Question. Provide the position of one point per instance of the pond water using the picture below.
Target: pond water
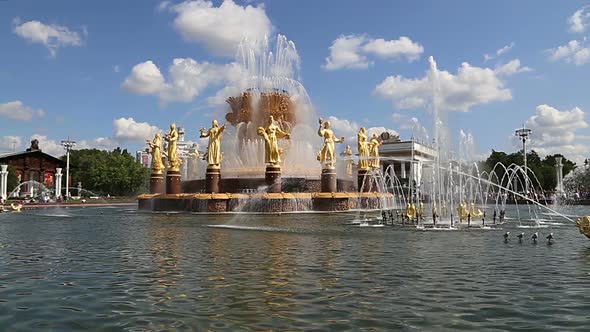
(119, 269)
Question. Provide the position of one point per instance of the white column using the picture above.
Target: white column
(559, 171)
(58, 176)
(3, 181)
(403, 169)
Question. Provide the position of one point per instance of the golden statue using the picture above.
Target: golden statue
(374, 152)
(462, 211)
(327, 155)
(363, 148)
(156, 152)
(475, 213)
(349, 162)
(213, 154)
(584, 225)
(411, 211)
(271, 135)
(421, 211)
(434, 210)
(172, 155)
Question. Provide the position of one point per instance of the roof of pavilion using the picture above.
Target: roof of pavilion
(21, 154)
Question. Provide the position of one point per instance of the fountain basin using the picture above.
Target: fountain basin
(289, 184)
(264, 202)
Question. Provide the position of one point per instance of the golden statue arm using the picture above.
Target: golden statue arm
(204, 133)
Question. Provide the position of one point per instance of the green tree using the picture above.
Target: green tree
(103, 172)
(544, 169)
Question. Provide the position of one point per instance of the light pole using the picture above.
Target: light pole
(524, 134)
(68, 145)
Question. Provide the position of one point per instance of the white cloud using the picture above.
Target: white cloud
(573, 52)
(579, 20)
(222, 28)
(116, 68)
(402, 47)
(499, 52)
(505, 49)
(349, 130)
(10, 143)
(99, 143)
(163, 5)
(187, 79)
(53, 36)
(471, 86)
(351, 51)
(510, 68)
(554, 131)
(49, 146)
(345, 53)
(55, 148)
(126, 129)
(16, 110)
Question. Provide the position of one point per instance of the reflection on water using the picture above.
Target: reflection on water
(123, 270)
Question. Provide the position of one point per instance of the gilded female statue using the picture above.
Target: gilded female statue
(172, 155)
(328, 153)
(374, 152)
(271, 135)
(349, 161)
(363, 147)
(156, 152)
(214, 148)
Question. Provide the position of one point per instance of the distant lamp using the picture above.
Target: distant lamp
(524, 134)
(68, 145)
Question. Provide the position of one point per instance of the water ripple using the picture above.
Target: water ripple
(137, 272)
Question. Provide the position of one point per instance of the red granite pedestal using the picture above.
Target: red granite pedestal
(329, 183)
(363, 185)
(272, 178)
(213, 178)
(157, 184)
(173, 185)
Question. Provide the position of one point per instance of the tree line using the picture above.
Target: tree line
(116, 172)
(544, 169)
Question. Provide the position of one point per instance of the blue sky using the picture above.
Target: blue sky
(79, 69)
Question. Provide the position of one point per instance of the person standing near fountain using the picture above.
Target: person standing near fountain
(327, 156)
(157, 185)
(213, 156)
(272, 155)
(173, 185)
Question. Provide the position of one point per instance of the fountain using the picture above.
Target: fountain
(268, 161)
(270, 110)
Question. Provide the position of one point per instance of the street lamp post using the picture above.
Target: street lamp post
(524, 134)
(68, 145)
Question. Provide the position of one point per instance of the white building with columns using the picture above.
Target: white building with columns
(407, 158)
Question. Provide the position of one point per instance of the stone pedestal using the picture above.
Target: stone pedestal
(173, 182)
(273, 178)
(361, 180)
(213, 178)
(157, 184)
(329, 180)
